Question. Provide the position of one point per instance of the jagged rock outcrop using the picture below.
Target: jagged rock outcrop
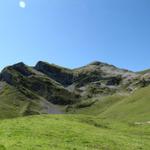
(24, 77)
(59, 74)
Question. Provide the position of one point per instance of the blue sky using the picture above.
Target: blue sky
(73, 33)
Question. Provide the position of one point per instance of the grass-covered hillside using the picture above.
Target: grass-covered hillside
(130, 108)
(16, 103)
(96, 106)
(71, 132)
(135, 107)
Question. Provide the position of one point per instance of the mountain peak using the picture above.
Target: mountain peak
(20, 64)
(96, 63)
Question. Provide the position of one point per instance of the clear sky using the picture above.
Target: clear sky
(73, 33)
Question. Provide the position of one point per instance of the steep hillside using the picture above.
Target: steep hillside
(15, 103)
(24, 77)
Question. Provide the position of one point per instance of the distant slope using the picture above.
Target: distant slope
(131, 108)
(144, 71)
(136, 107)
(99, 106)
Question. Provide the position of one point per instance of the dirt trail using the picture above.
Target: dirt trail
(52, 109)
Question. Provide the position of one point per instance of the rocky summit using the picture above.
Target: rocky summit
(52, 89)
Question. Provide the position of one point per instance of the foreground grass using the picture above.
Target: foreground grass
(71, 132)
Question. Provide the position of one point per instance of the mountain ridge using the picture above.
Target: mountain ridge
(47, 85)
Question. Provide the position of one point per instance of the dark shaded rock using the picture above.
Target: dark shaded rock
(61, 75)
(85, 78)
(22, 68)
(6, 76)
(96, 63)
(114, 81)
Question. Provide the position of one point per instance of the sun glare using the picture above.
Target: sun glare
(22, 4)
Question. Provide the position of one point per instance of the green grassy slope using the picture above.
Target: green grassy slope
(131, 108)
(14, 103)
(136, 107)
(70, 132)
(143, 72)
